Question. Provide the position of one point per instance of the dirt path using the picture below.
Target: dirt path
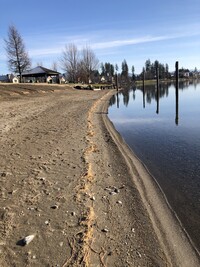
(64, 180)
(43, 141)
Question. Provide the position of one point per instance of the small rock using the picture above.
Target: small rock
(105, 230)
(3, 174)
(47, 222)
(133, 230)
(73, 213)
(116, 190)
(108, 189)
(93, 198)
(26, 240)
(54, 207)
(61, 244)
(112, 193)
(119, 202)
(31, 208)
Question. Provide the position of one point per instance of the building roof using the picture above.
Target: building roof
(3, 78)
(39, 70)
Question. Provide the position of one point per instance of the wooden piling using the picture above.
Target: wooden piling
(177, 74)
(143, 77)
(116, 81)
(143, 89)
(157, 78)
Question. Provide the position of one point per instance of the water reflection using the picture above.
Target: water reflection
(177, 98)
(152, 93)
(147, 119)
(143, 90)
(157, 97)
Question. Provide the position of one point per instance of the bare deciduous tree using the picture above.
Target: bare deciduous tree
(70, 62)
(89, 62)
(18, 59)
(54, 66)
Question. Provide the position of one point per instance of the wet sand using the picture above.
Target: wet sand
(68, 178)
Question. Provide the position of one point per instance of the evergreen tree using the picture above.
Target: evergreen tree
(124, 72)
(133, 73)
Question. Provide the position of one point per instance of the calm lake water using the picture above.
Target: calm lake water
(164, 132)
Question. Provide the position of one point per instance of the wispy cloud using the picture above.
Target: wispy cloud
(104, 42)
(136, 120)
(45, 51)
(96, 45)
(132, 41)
(141, 40)
(51, 45)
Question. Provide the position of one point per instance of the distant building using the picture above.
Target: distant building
(14, 79)
(62, 79)
(103, 80)
(9, 78)
(41, 74)
(4, 79)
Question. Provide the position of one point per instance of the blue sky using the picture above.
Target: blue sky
(116, 30)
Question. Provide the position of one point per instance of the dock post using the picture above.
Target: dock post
(116, 81)
(157, 77)
(143, 77)
(143, 88)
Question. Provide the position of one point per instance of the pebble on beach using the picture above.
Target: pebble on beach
(26, 240)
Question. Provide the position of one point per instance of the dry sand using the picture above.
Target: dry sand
(68, 178)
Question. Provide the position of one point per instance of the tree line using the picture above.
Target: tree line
(81, 65)
(151, 68)
(78, 65)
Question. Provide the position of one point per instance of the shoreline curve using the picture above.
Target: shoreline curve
(175, 241)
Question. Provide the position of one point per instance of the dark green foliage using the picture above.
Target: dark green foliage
(150, 70)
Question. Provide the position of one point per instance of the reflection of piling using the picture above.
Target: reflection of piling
(117, 100)
(177, 89)
(158, 91)
(157, 98)
(143, 97)
(157, 78)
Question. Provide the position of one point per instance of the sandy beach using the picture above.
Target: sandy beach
(69, 180)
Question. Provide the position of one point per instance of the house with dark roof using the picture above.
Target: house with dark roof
(9, 78)
(41, 74)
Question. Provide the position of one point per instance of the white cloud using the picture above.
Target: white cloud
(94, 41)
(122, 42)
(45, 51)
(136, 120)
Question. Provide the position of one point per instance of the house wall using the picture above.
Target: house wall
(15, 80)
